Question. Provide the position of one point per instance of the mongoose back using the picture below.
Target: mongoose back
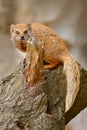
(55, 52)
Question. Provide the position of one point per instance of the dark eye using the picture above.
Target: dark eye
(17, 32)
(26, 31)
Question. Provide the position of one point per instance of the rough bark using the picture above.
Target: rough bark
(28, 101)
(22, 107)
(41, 106)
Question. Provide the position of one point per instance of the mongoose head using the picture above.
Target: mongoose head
(20, 33)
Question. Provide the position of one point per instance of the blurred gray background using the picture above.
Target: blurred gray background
(68, 18)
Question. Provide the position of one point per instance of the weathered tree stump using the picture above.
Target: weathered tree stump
(40, 104)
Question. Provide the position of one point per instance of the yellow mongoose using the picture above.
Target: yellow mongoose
(55, 52)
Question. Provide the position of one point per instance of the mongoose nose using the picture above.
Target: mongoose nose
(22, 37)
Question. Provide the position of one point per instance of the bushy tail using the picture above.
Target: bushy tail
(73, 81)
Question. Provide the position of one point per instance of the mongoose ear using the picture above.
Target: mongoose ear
(12, 27)
(29, 26)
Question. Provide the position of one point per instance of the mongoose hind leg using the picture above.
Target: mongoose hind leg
(51, 66)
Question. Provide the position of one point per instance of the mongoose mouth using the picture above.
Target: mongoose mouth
(21, 47)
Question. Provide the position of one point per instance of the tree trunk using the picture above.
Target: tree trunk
(38, 104)
(30, 99)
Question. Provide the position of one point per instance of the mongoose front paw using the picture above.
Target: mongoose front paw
(31, 40)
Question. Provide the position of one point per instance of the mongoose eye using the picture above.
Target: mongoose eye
(17, 32)
(26, 31)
